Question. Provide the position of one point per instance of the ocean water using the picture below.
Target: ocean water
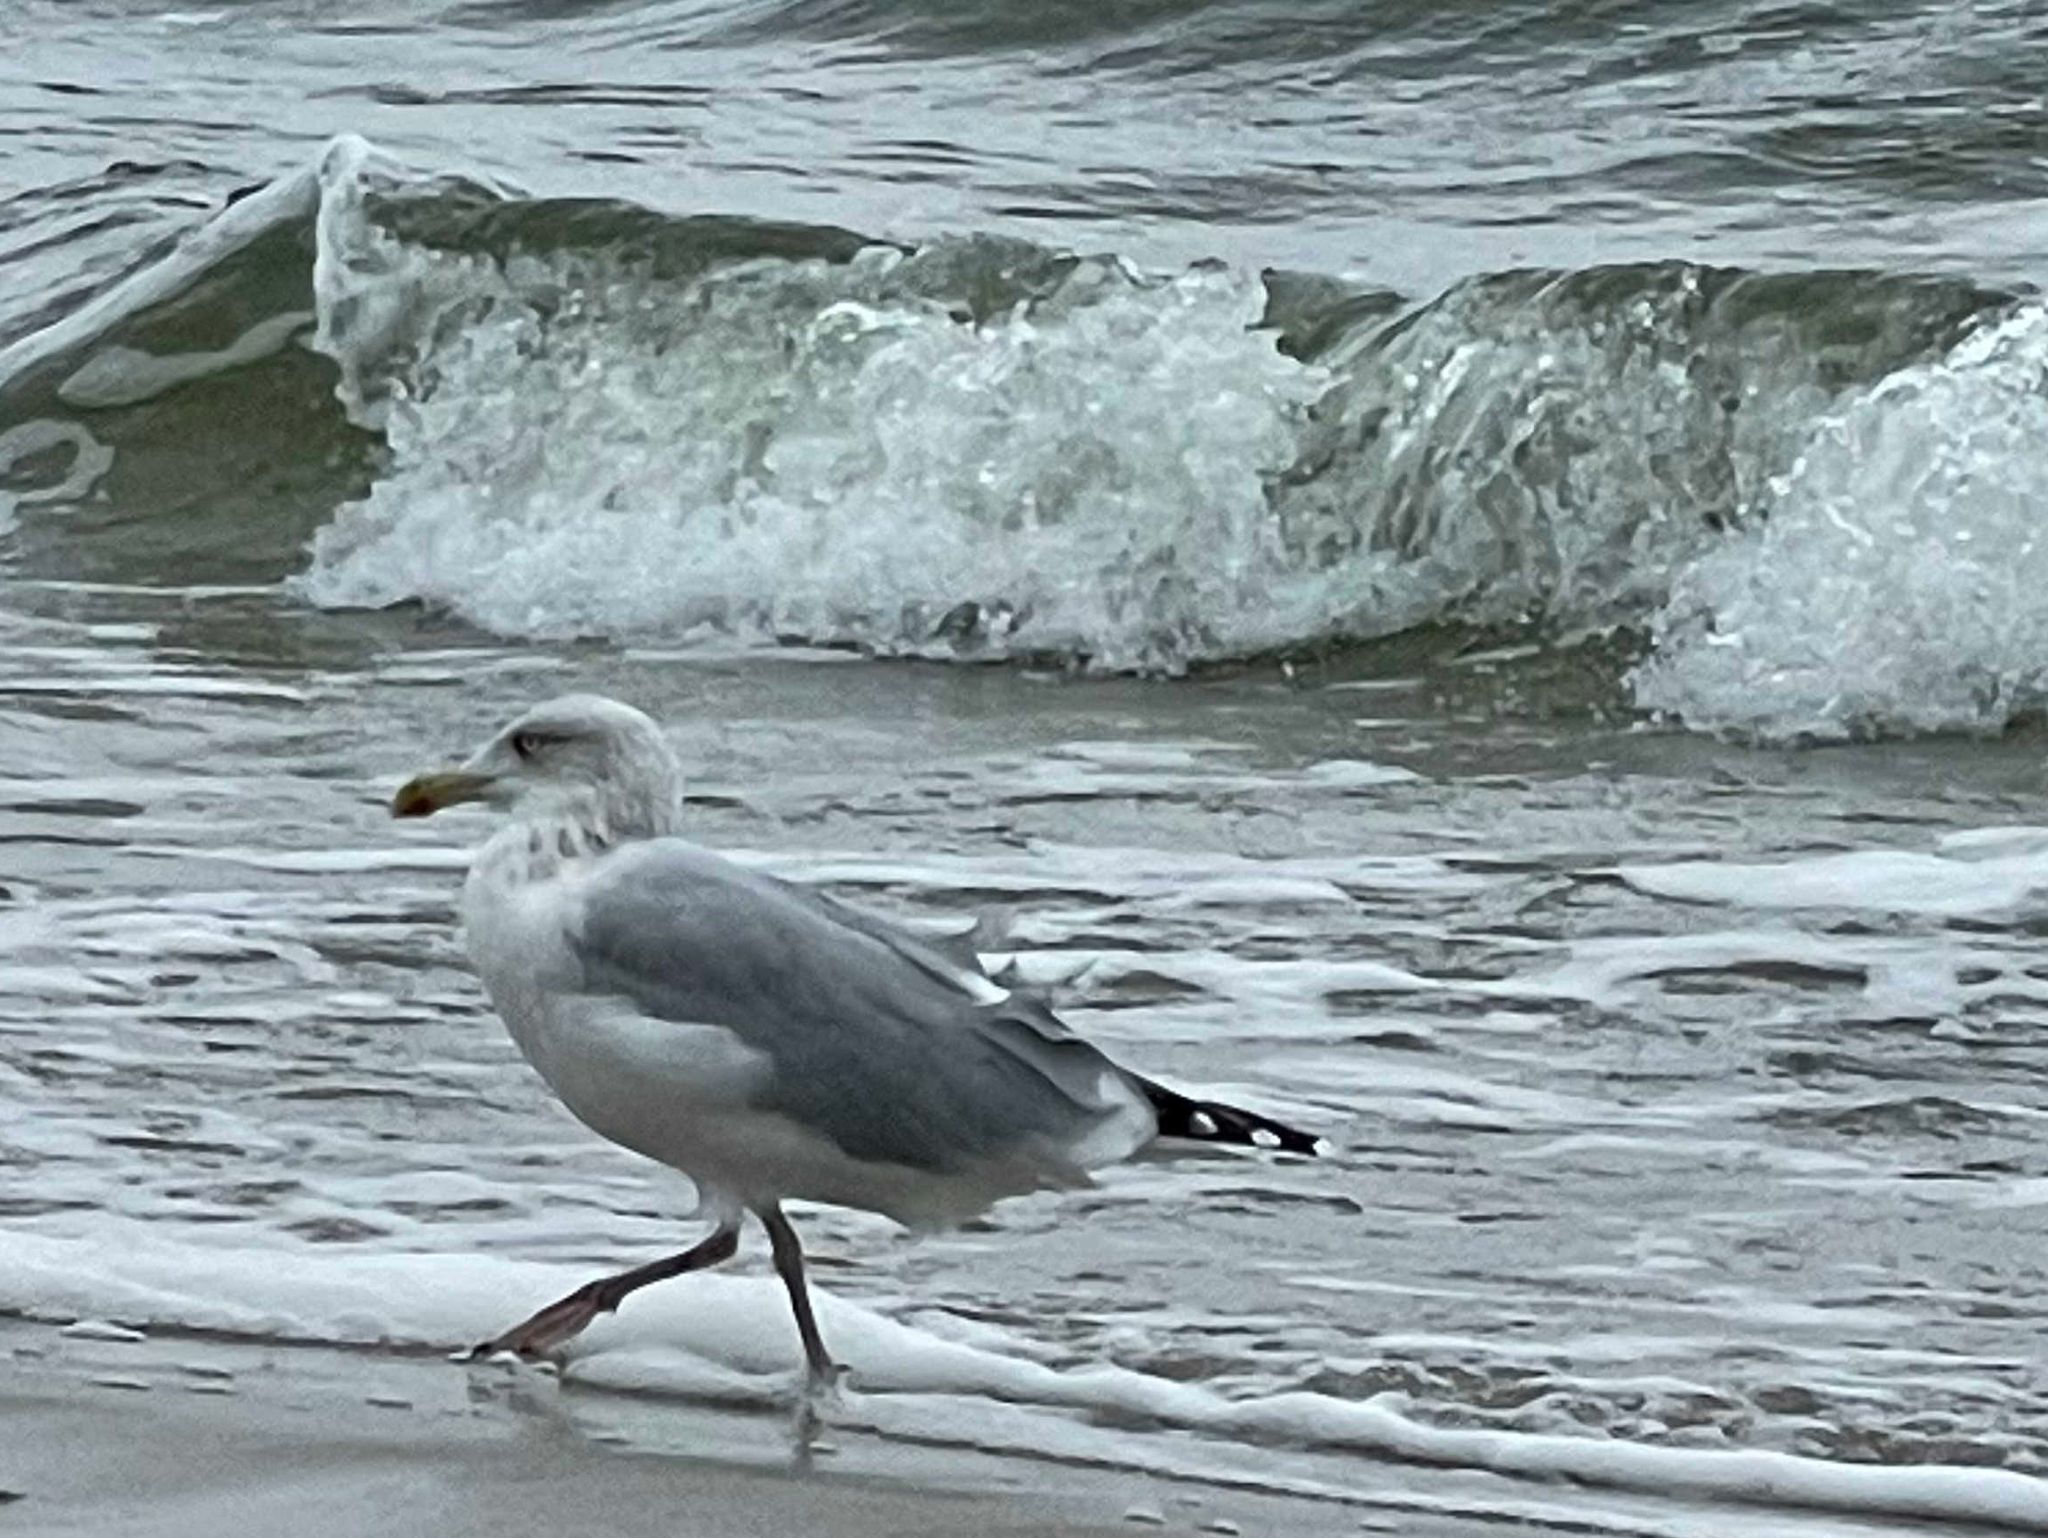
(1465, 575)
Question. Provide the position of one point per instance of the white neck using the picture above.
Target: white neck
(550, 831)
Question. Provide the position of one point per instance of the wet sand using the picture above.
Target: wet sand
(187, 1438)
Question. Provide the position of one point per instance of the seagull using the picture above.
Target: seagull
(767, 1040)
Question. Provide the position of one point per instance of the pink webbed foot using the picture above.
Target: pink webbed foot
(548, 1330)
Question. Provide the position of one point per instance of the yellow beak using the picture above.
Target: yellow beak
(425, 794)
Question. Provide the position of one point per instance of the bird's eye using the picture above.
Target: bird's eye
(526, 744)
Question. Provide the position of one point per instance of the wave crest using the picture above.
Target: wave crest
(981, 448)
(827, 450)
(586, 418)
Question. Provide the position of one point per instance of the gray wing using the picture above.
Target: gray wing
(892, 1046)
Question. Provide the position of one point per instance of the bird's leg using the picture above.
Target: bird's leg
(820, 1373)
(566, 1318)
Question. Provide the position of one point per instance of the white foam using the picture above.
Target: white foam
(1126, 468)
(1121, 870)
(1864, 880)
(1356, 774)
(1138, 756)
(316, 862)
(1599, 970)
(1893, 580)
(167, 684)
(101, 1329)
(1097, 472)
(721, 1336)
(1272, 985)
(89, 461)
(126, 376)
(1260, 891)
(1103, 471)
(1978, 843)
(754, 451)
(1169, 877)
(288, 200)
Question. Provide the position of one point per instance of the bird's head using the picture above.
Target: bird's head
(582, 755)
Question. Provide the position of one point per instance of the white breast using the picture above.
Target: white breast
(676, 1091)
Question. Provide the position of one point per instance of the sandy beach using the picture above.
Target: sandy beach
(178, 1438)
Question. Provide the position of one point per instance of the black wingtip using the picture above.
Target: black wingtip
(1210, 1121)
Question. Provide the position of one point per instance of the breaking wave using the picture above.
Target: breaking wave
(1806, 494)
(1896, 576)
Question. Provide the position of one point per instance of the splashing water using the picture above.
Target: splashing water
(595, 419)
(981, 448)
(815, 449)
(1895, 579)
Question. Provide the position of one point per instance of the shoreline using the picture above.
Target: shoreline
(191, 1437)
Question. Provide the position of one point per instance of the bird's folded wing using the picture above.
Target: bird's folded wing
(882, 1042)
